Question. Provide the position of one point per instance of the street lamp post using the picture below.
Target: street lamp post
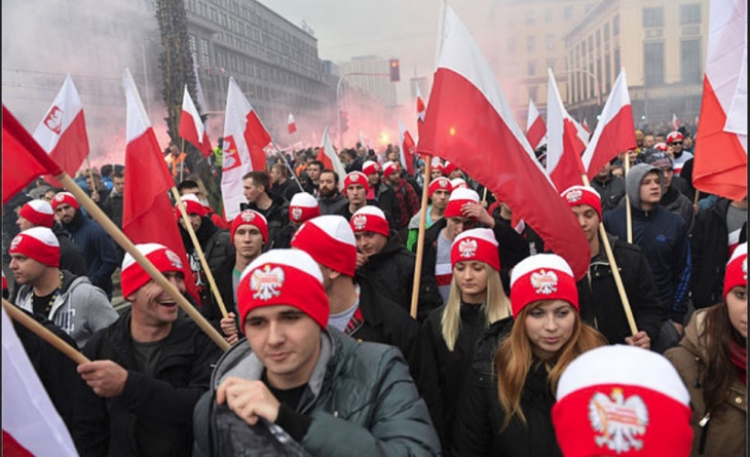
(338, 98)
(593, 76)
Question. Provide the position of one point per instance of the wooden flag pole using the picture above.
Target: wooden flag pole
(420, 240)
(42, 332)
(289, 167)
(182, 162)
(628, 215)
(615, 271)
(199, 251)
(697, 198)
(118, 237)
(484, 195)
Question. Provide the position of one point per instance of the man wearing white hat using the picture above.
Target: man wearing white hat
(356, 188)
(439, 191)
(380, 194)
(302, 207)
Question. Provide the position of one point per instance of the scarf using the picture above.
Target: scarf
(738, 355)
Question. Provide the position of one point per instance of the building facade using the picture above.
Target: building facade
(380, 87)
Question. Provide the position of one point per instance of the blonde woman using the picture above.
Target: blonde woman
(476, 300)
(506, 409)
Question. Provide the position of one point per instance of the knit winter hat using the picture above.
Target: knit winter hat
(542, 277)
(133, 276)
(303, 207)
(661, 147)
(370, 167)
(736, 273)
(389, 168)
(458, 183)
(436, 164)
(330, 241)
(657, 158)
(38, 243)
(250, 217)
(39, 213)
(674, 136)
(448, 168)
(583, 195)
(441, 183)
(283, 277)
(356, 177)
(459, 197)
(622, 401)
(192, 206)
(370, 219)
(478, 245)
(64, 197)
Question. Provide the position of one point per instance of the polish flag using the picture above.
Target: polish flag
(407, 148)
(31, 424)
(62, 132)
(290, 125)
(470, 123)
(244, 140)
(191, 126)
(327, 154)
(421, 109)
(23, 159)
(146, 208)
(615, 131)
(563, 146)
(585, 125)
(536, 131)
(675, 124)
(720, 165)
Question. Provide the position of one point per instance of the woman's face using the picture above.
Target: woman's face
(549, 326)
(737, 308)
(471, 278)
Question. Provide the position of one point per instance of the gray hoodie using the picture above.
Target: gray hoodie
(633, 182)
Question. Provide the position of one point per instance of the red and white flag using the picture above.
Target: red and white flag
(615, 131)
(675, 124)
(23, 159)
(244, 140)
(407, 148)
(536, 130)
(585, 125)
(421, 109)
(62, 132)
(470, 123)
(146, 208)
(31, 424)
(327, 155)
(720, 164)
(290, 125)
(564, 147)
(191, 126)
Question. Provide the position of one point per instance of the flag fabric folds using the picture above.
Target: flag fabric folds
(536, 130)
(291, 125)
(421, 109)
(563, 144)
(469, 123)
(675, 124)
(330, 158)
(406, 148)
(191, 126)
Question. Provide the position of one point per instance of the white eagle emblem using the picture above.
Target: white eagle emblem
(467, 248)
(174, 258)
(354, 178)
(59, 197)
(296, 213)
(618, 421)
(545, 282)
(266, 282)
(248, 216)
(574, 195)
(359, 221)
(443, 183)
(16, 241)
(54, 119)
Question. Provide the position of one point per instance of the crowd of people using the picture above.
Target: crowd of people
(506, 352)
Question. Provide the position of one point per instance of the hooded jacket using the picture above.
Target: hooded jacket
(678, 204)
(333, 205)
(277, 215)
(71, 258)
(611, 191)
(663, 238)
(97, 248)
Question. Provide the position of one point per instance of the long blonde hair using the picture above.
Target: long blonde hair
(514, 359)
(496, 307)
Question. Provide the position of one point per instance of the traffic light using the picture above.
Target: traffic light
(344, 121)
(395, 71)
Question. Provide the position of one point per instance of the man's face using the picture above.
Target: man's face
(286, 341)
(676, 147)
(119, 185)
(313, 171)
(275, 175)
(604, 172)
(372, 179)
(174, 150)
(649, 141)
(195, 221)
(440, 199)
(248, 241)
(455, 225)
(65, 213)
(392, 156)
(668, 176)
(191, 191)
(435, 173)
(687, 143)
(356, 194)
(23, 223)
(651, 189)
(456, 174)
(251, 191)
(327, 185)
(154, 306)
(394, 177)
(661, 139)
(49, 195)
(25, 269)
(589, 221)
(370, 243)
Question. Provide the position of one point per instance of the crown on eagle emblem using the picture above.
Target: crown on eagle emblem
(467, 248)
(618, 421)
(545, 282)
(248, 216)
(266, 282)
(174, 258)
(359, 221)
(54, 119)
(574, 195)
(296, 213)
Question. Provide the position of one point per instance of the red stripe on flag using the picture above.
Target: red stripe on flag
(12, 448)
(617, 136)
(536, 132)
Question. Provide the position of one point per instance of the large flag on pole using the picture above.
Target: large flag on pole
(470, 123)
(563, 145)
(330, 159)
(23, 159)
(536, 130)
(291, 125)
(244, 140)
(147, 214)
(191, 126)
(406, 147)
(62, 132)
(615, 131)
(675, 124)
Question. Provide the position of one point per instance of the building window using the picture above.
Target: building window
(690, 61)
(549, 41)
(598, 38)
(551, 64)
(653, 63)
(690, 14)
(592, 88)
(591, 46)
(607, 73)
(530, 17)
(616, 25)
(530, 43)
(606, 32)
(204, 59)
(532, 93)
(653, 17)
(568, 12)
(548, 15)
(531, 68)
(617, 60)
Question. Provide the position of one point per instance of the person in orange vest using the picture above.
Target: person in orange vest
(176, 162)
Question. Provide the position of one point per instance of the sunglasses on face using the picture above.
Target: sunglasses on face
(676, 142)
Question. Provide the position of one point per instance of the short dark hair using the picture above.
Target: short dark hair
(260, 178)
(335, 175)
(187, 184)
(106, 170)
(318, 163)
(351, 153)
(280, 168)
(119, 174)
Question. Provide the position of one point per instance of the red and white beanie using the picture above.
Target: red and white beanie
(356, 177)
(64, 197)
(389, 168)
(459, 183)
(436, 164)
(542, 277)
(283, 277)
(370, 219)
(583, 195)
(459, 197)
(38, 243)
(441, 183)
(674, 136)
(192, 206)
(330, 241)
(250, 217)
(736, 273)
(661, 147)
(303, 207)
(133, 276)
(622, 401)
(39, 213)
(476, 245)
(448, 168)
(370, 167)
